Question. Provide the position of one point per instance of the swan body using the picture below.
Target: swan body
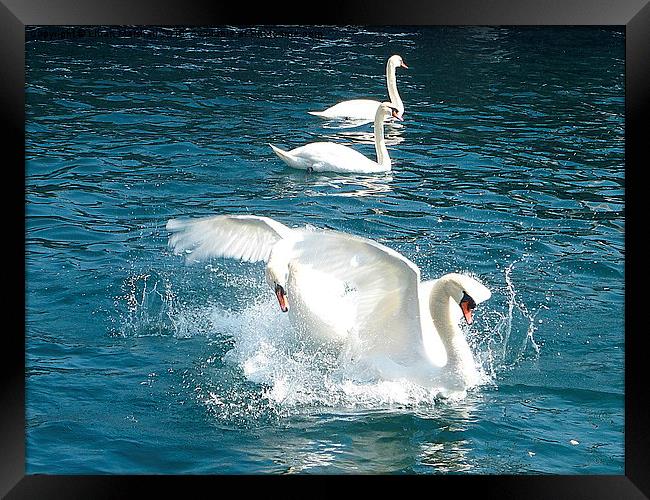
(338, 287)
(332, 157)
(363, 110)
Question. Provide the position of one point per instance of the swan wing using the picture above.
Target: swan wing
(355, 109)
(327, 152)
(245, 237)
(382, 284)
(330, 156)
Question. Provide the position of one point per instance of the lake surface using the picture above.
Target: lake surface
(509, 165)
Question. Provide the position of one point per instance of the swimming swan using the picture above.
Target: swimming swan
(340, 287)
(364, 109)
(332, 157)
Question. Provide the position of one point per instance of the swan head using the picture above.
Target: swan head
(397, 62)
(277, 272)
(386, 110)
(465, 291)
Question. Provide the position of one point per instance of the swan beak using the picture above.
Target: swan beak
(403, 65)
(467, 305)
(395, 114)
(467, 312)
(282, 298)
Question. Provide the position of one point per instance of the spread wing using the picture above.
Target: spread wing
(382, 284)
(245, 237)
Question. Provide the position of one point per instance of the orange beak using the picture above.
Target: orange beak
(282, 298)
(403, 65)
(467, 305)
(395, 114)
(467, 312)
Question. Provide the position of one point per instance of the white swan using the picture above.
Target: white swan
(337, 286)
(332, 157)
(363, 110)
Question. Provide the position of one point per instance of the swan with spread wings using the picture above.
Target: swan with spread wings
(335, 285)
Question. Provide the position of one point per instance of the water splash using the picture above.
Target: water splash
(149, 302)
(273, 369)
(291, 374)
(503, 346)
(150, 306)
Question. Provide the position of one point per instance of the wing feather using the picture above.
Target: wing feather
(383, 284)
(245, 237)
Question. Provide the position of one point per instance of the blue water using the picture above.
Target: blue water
(509, 165)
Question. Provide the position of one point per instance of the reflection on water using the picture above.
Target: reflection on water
(293, 183)
(344, 124)
(307, 455)
(388, 444)
(434, 438)
(392, 136)
(346, 186)
(448, 457)
(451, 451)
(334, 125)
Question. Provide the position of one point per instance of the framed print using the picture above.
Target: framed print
(377, 246)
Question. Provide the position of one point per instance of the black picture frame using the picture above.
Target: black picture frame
(15, 15)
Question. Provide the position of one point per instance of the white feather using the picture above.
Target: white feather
(245, 237)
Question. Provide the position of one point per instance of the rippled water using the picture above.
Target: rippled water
(509, 165)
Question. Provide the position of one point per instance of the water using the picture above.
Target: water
(509, 165)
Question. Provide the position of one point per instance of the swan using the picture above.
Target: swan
(341, 287)
(364, 109)
(332, 157)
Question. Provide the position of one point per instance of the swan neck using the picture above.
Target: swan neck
(391, 83)
(459, 355)
(380, 145)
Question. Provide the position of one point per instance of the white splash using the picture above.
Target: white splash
(297, 373)
(288, 372)
(500, 343)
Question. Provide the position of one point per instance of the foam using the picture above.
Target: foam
(290, 372)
